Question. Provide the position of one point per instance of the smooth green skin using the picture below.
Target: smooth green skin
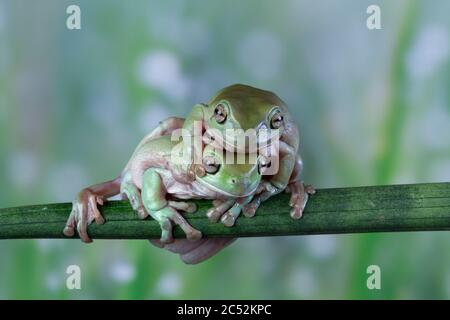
(231, 181)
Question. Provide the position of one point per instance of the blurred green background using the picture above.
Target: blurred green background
(373, 108)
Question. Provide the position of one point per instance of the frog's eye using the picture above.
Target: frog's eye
(220, 113)
(276, 122)
(263, 164)
(211, 165)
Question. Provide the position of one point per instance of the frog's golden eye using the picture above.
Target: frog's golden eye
(277, 120)
(220, 113)
(211, 165)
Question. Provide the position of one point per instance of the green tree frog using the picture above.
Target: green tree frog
(242, 107)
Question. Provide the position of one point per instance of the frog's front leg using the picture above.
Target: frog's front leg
(299, 197)
(163, 211)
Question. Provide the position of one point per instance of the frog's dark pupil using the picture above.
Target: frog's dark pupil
(276, 121)
(220, 113)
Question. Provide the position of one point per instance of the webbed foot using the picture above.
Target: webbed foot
(84, 212)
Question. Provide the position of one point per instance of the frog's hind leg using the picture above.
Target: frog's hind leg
(195, 252)
(128, 188)
(163, 211)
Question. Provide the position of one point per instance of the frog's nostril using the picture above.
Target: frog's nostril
(233, 181)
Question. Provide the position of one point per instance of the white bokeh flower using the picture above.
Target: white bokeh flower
(122, 271)
(321, 246)
(23, 168)
(169, 284)
(161, 70)
(430, 50)
(302, 282)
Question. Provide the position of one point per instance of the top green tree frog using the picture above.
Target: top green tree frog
(243, 108)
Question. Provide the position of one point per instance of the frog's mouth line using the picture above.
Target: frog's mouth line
(206, 184)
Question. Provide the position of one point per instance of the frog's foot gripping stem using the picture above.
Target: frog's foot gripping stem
(84, 211)
(227, 211)
(299, 197)
(264, 192)
(166, 212)
(168, 216)
(218, 210)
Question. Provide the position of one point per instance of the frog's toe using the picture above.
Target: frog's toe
(228, 219)
(142, 213)
(166, 239)
(194, 235)
(249, 209)
(213, 215)
(310, 189)
(191, 207)
(299, 198)
(93, 212)
(69, 229)
(298, 205)
(166, 231)
(296, 212)
(82, 232)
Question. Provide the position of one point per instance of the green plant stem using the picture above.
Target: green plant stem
(417, 207)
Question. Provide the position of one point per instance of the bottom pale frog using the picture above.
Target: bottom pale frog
(153, 183)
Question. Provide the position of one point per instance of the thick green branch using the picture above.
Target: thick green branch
(418, 207)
